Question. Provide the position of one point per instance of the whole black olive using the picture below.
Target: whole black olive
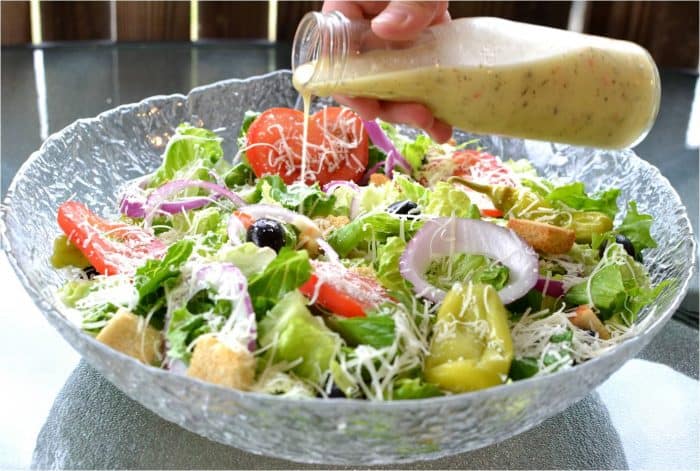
(623, 241)
(90, 272)
(266, 233)
(403, 208)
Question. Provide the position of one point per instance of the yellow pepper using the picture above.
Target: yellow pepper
(471, 347)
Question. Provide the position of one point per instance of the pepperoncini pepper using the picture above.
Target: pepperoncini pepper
(522, 203)
(515, 202)
(471, 347)
(587, 223)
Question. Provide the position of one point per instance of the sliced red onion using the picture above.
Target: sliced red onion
(331, 254)
(164, 192)
(132, 207)
(382, 141)
(332, 185)
(444, 237)
(236, 230)
(550, 287)
(158, 199)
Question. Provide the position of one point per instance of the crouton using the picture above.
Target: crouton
(131, 335)
(585, 318)
(378, 179)
(214, 362)
(543, 237)
(330, 223)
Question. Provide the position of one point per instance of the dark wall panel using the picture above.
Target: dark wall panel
(74, 21)
(15, 23)
(153, 21)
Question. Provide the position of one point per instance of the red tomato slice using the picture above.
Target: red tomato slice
(492, 213)
(111, 247)
(342, 291)
(338, 147)
(481, 167)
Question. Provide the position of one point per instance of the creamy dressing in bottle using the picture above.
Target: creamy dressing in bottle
(493, 76)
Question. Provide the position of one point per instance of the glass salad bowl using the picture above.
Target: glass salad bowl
(91, 159)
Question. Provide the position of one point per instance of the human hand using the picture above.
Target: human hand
(396, 21)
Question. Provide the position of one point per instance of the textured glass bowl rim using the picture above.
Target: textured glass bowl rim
(642, 336)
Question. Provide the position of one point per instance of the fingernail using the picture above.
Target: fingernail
(391, 16)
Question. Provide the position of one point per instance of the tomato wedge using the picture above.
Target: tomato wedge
(343, 292)
(338, 146)
(111, 247)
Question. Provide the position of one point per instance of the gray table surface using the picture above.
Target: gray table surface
(57, 412)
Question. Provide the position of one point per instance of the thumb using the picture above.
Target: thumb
(405, 20)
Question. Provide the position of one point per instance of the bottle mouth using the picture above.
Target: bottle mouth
(306, 46)
(320, 45)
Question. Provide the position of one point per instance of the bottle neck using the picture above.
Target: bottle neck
(320, 48)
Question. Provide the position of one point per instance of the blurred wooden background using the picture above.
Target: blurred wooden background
(669, 30)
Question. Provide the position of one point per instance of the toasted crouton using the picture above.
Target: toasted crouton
(585, 318)
(216, 363)
(131, 335)
(378, 179)
(543, 237)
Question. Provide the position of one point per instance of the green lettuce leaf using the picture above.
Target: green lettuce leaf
(151, 277)
(308, 200)
(95, 318)
(239, 175)
(414, 388)
(448, 201)
(412, 190)
(636, 227)
(248, 257)
(190, 153)
(297, 334)
(387, 266)
(413, 150)
(607, 290)
(621, 288)
(443, 272)
(376, 331)
(289, 270)
(372, 227)
(522, 368)
(574, 196)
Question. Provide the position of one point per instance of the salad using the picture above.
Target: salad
(393, 268)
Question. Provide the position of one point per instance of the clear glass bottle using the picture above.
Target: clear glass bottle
(489, 76)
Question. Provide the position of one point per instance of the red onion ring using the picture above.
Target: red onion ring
(550, 287)
(442, 237)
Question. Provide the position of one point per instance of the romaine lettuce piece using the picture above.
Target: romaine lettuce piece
(375, 227)
(308, 200)
(447, 201)
(151, 277)
(574, 196)
(414, 388)
(387, 266)
(636, 227)
(376, 331)
(298, 335)
(289, 270)
(248, 257)
(443, 272)
(190, 153)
